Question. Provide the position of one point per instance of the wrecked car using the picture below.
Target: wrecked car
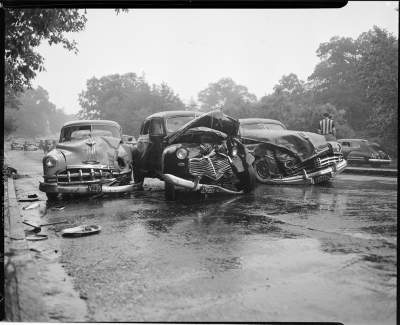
(290, 157)
(90, 157)
(364, 152)
(192, 152)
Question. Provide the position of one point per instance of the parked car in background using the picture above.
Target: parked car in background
(17, 144)
(89, 158)
(128, 139)
(290, 157)
(192, 152)
(30, 145)
(359, 151)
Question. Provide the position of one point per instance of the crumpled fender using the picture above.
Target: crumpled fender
(262, 148)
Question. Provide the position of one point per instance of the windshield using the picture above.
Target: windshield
(262, 126)
(80, 132)
(175, 123)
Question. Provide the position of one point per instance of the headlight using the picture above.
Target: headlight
(50, 162)
(181, 153)
(234, 151)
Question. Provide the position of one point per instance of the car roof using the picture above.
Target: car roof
(255, 120)
(98, 122)
(174, 113)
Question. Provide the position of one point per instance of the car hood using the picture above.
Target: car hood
(215, 120)
(94, 150)
(303, 144)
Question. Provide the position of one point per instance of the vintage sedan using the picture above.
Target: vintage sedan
(18, 144)
(359, 151)
(290, 157)
(30, 145)
(193, 152)
(89, 158)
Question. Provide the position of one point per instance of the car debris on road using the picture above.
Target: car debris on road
(82, 230)
(36, 237)
(37, 229)
(31, 206)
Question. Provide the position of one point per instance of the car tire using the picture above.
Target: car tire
(261, 170)
(170, 192)
(51, 196)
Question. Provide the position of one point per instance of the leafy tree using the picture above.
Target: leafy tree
(378, 74)
(127, 99)
(25, 29)
(335, 80)
(361, 77)
(225, 94)
(37, 116)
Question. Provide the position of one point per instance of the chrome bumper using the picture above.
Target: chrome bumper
(82, 188)
(379, 161)
(312, 178)
(193, 186)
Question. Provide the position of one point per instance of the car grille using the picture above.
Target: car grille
(212, 167)
(86, 175)
(317, 164)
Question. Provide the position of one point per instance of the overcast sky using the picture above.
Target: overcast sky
(188, 48)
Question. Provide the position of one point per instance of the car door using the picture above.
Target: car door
(142, 146)
(156, 135)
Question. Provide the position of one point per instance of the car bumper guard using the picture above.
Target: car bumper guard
(194, 186)
(312, 178)
(84, 188)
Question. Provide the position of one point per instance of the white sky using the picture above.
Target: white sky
(190, 48)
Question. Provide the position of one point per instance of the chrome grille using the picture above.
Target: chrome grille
(316, 164)
(85, 175)
(212, 167)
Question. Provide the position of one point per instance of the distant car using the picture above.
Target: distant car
(195, 152)
(30, 145)
(359, 151)
(290, 157)
(89, 158)
(128, 139)
(18, 144)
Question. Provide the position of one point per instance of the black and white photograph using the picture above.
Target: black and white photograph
(200, 164)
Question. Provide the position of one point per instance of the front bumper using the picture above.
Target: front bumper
(312, 178)
(196, 187)
(84, 188)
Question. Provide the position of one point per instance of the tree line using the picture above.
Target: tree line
(356, 81)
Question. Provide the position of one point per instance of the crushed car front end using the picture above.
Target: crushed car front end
(203, 158)
(295, 158)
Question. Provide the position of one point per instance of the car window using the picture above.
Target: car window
(145, 127)
(355, 145)
(176, 122)
(106, 130)
(80, 132)
(262, 126)
(345, 144)
(156, 127)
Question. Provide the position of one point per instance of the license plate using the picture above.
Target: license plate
(208, 189)
(94, 188)
(321, 178)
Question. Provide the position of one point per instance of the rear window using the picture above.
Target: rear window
(80, 132)
(176, 122)
(262, 126)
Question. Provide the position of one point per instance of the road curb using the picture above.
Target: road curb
(371, 171)
(23, 300)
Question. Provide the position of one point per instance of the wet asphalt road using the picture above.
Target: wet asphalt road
(282, 253)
